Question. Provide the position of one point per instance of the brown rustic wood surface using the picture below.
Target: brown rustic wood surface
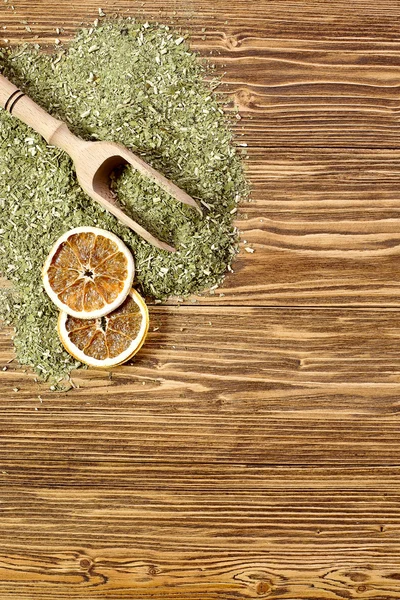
(252, 449)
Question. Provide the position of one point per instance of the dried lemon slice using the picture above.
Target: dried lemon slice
(88, 273)
(110, 340)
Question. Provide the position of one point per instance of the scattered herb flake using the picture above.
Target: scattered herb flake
(107, 85)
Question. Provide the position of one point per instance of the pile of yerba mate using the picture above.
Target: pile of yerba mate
(140, 85)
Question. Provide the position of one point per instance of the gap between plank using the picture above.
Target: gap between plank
(371, 307)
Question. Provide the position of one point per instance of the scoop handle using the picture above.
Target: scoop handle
(19, 105)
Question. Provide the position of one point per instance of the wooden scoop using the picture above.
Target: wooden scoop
(94, 161)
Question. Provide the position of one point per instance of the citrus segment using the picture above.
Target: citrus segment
(108, 287)
(103, 249)
(72, 296)
(82, 337)
(65, 258)
(60, 279)
(88, 273)
(75, 324)
(114, 265)
(82, 245)
(110, 340)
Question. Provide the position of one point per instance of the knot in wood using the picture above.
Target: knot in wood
(262, 588)
(231, 41)
(85, 563)
(152, 570)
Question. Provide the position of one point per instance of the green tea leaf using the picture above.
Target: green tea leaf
(137, 84)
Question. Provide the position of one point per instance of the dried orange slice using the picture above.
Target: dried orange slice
(110, 340)
(88, 273)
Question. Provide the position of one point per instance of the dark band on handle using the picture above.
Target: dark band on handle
(13, 99)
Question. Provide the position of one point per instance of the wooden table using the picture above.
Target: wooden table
(252, 450)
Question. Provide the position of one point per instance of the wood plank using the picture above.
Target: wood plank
(327, 19)
(185, 475)
(175, 477)
(123, 574)
(324, 222)
(262, 386)
(295, 93)
(74, 530)
(293, 90)
(323, 225)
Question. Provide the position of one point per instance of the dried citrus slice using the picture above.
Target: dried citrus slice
(88, 273)
(106, 341)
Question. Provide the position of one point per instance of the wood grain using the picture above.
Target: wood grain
(251, 449)
(200, 556)
(303, 19)
(241, 385)
(186, 531)
(334, 91)
(302, 75)
(324, 227)
(296, 88)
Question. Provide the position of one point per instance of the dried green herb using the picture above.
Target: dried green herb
(138, 84)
